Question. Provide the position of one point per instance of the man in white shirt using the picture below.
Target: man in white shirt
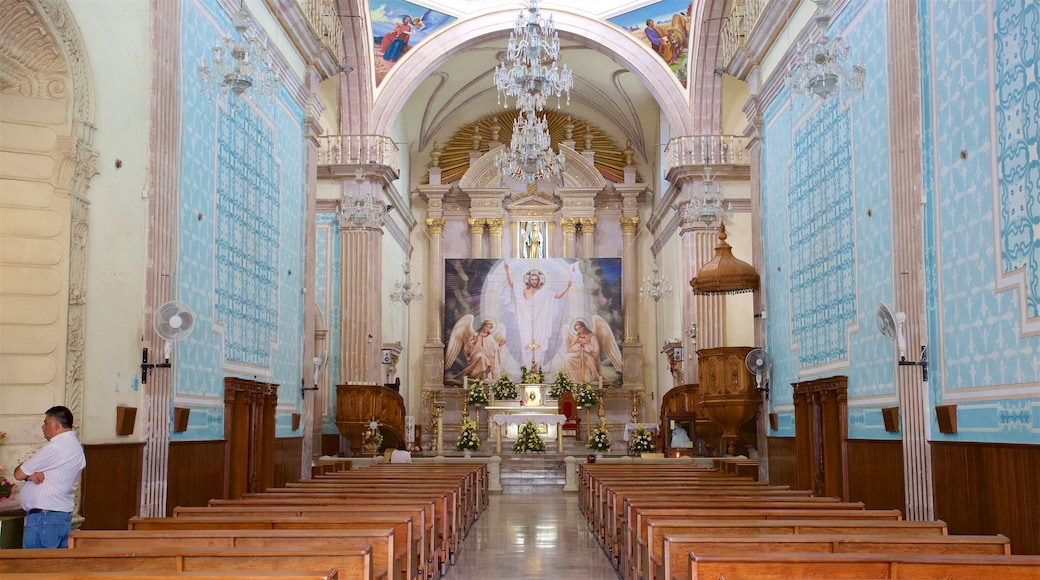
(50, 477)
(400, 455)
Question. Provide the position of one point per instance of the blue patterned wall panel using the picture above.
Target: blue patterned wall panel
(984, 218)
(827, 234)
(240, 251)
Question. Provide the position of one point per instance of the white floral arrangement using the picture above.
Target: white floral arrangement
(642, 441)
(468, 438)
(527, 440)
(587, 396)
(477, 395)
(561, 385)
(599, 440)
(504, 388)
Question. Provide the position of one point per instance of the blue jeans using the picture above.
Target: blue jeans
(47, 530)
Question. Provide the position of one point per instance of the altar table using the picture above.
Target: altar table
(631, 428)
(502, 420)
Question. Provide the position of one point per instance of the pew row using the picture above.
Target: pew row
(673, 564)
(863, 566)
(282, 575)
(381, 540)
(349, 560)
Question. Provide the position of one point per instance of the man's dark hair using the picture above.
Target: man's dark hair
(62, 415)
(400, 445)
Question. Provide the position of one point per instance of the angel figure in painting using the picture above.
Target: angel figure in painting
(586, 348)
(481, 347)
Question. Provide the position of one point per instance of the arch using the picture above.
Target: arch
(421, 62)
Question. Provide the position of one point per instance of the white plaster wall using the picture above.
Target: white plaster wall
(116, 36)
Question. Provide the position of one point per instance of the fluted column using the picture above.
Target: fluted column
(908, 252)
(629, 276)
(435, 281)
(570, 229)
(361, 250)
(476, 237)
(588, 237)
(495, 226)
(164, 160)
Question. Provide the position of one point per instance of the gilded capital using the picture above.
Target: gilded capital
(588, 225)
(476, 225)
(629, 225)
(435, 225)
(570, 225)
(495, 225)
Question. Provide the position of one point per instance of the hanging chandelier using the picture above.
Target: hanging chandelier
(530, 156)
(653, 287)
(407, 291)
(240, 64)
(822, 68)
(706, 206)
(531, 77)
(360, 208)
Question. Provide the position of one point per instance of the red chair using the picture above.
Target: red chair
(568, 407)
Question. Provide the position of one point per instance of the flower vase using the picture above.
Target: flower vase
(467, 454)
(599, 455)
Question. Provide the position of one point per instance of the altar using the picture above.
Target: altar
(507, 416)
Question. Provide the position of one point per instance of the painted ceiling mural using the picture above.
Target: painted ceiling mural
(665, 27)
(397, 27)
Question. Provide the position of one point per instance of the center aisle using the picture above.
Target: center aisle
(531, 536)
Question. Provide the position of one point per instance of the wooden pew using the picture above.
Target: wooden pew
(339, 495)
(283, 575)
(402, 526)
(872, 566)
(350, 561)
(417, 511)
(652, 542)
(638, 551)
(673, 564)
(381, 540)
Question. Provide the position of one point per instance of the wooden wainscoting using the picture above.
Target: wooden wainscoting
(288, 457)
(781, 461)
(989, 488)
(111, 485)
(196, 473)
(876, 473)
(330, 444)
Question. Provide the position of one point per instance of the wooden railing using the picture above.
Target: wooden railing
(323, 19)
(706, 150)
(358, 149)
(742, 18)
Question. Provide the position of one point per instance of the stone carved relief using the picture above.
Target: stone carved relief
(33, 63)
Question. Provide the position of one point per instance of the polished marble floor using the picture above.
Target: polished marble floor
(531, 536)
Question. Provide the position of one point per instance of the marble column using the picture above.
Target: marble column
(905, 158)
(570, 229)
(311, 411)
(495, 226)
(361, 250)
(476, 237)
(588, 237)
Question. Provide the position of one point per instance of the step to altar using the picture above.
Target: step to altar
(533, 473)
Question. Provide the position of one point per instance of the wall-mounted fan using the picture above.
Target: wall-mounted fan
(757, 361)
(173, 321)
(891, 325)
(319, 365)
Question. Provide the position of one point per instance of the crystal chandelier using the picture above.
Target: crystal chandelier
(822, 67)
(240, 64)
(653, 287)
(407, 291)
(532, 76)
(707, 206)
(530, 156)
(360, 208)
